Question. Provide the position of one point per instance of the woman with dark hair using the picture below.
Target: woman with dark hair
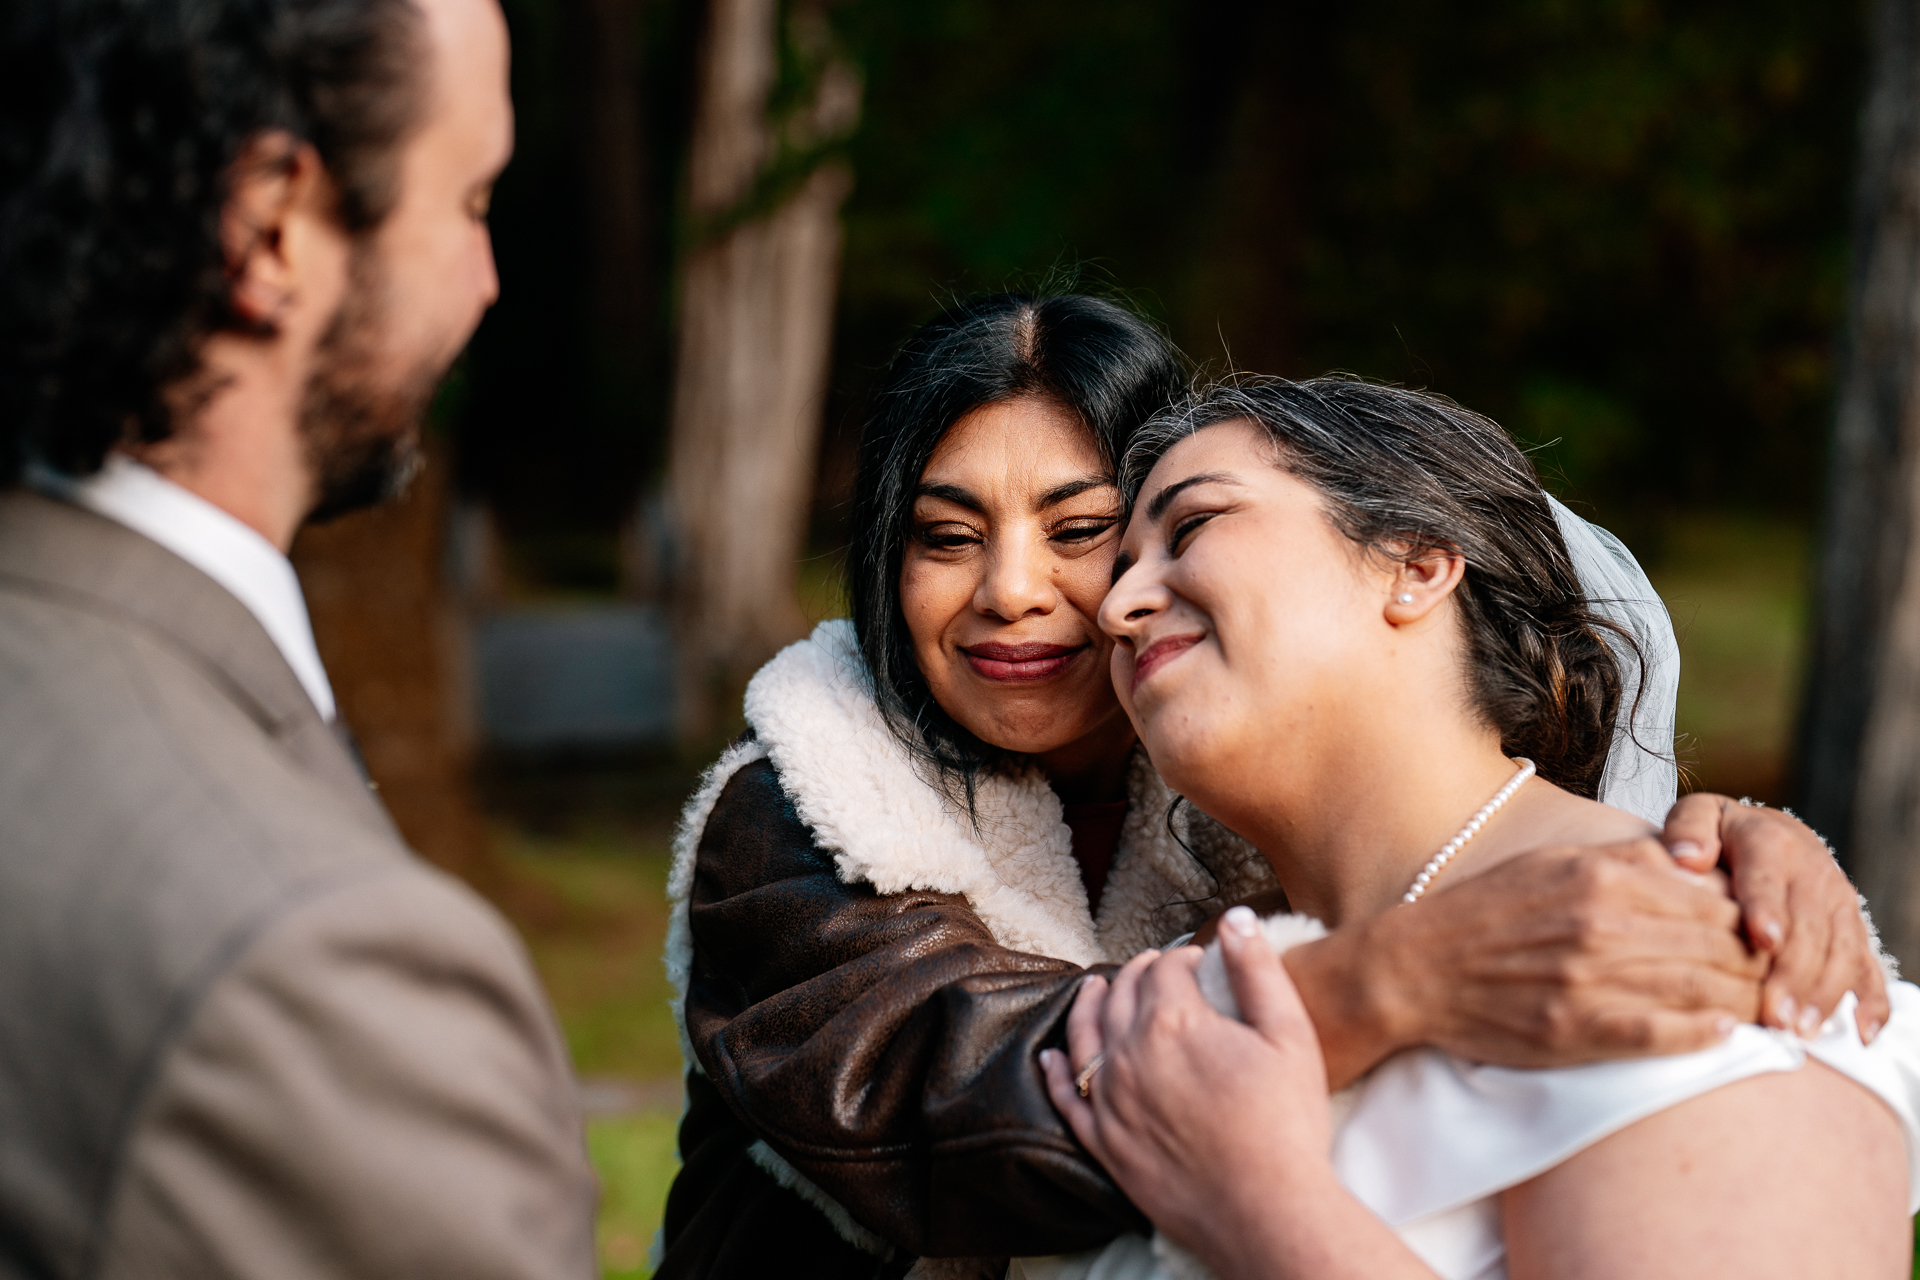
(887, 892)
(1348, 622)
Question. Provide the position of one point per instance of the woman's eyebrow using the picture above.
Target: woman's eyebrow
(952, 493)
(1071, 489)
(1158, 507)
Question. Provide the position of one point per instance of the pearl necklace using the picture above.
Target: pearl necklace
(1438, 863)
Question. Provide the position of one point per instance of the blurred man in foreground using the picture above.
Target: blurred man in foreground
(243, 1032)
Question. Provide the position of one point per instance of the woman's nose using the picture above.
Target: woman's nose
(1132, 600)
(1016, 584)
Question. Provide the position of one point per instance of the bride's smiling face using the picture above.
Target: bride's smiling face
(1246, 622)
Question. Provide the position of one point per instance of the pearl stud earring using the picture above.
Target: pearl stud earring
(1406, 597)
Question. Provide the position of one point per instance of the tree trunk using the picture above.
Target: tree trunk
(605, 38)
(1250, 140)
(393, 651)
(1859, 748)
(755, 336)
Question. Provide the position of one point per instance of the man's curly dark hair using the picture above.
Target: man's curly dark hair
(120, 123)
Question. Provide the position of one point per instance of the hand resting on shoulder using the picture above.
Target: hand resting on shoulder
(1571, 955)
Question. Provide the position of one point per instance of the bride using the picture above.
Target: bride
(1349, 626)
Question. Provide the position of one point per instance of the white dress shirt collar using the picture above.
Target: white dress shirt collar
(227, 550)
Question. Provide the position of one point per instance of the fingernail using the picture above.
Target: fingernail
(1684, 849)
(1774, 932)
(1242, 921)
(1784, 1010)
(1724, 1025)
(1810, 1020)
(1868, 1032)
(1046, 1058)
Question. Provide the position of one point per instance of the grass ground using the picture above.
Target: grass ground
(593, 909)
(634, 1156)
(583, 854)
(591, 903)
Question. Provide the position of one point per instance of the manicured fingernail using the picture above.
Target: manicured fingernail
(1869, 1031)
(1242, 921)
(1724, 1025)
(1809, 1024)
(1784, 1010)
(1773, 931)
(1684, 849)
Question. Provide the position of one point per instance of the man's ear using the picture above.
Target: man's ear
(1421, 581)
(274, 177)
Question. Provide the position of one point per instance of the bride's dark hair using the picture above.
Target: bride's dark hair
(1405, 472)
(1104, 365)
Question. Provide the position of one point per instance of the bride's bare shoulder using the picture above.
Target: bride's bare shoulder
(1556, 816)
(1543, 816)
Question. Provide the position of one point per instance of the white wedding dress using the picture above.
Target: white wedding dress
(1428, 1141)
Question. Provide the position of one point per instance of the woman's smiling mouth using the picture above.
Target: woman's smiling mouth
(1021, 663)
(1160, 653)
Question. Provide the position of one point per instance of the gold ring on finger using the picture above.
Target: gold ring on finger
(1083, 1083)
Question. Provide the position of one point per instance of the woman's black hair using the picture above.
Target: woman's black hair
(1407, 472)
(1095, 359)
(120, 121)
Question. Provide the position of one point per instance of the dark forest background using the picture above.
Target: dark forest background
(1617, 226)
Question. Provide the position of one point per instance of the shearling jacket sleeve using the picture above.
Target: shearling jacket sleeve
(885, 1046)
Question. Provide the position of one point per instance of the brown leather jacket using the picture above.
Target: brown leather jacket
(884, 1046)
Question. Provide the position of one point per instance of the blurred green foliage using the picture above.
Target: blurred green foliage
(1736, 587)
(1618, 226)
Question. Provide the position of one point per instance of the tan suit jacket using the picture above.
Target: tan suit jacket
(243, 1031)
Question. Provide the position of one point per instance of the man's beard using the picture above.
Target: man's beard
(361, 424)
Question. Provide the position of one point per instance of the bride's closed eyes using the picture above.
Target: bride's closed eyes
(1184, 527)
(1183, 507)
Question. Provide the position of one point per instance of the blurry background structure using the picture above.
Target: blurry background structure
(1651, 237)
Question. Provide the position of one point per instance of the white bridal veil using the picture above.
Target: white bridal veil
(1641, 775)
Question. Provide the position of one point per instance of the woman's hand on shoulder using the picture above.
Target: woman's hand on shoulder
(1559, 956)
(1799, 909)
(1563, 956)
(1569, 955)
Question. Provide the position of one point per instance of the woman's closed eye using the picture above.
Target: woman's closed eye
(948, 535)
(1184, 528)
(1082, 528)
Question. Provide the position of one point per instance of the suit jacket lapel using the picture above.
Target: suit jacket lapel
(62, 551)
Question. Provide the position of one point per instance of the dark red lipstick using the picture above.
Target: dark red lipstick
(1160, 653)
(1020, 663)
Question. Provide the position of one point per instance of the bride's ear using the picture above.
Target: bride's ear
(1420, 582)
